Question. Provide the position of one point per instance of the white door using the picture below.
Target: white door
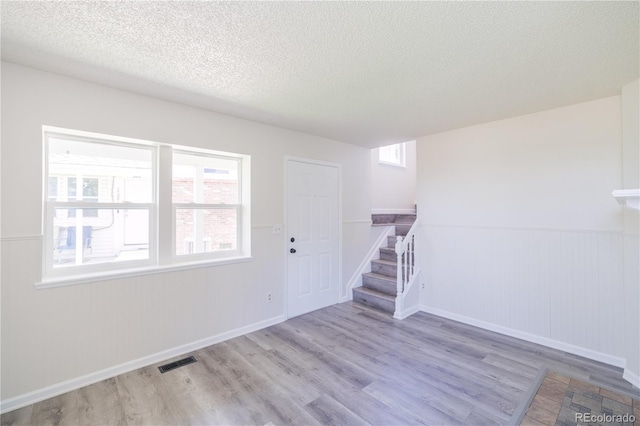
(313, 236)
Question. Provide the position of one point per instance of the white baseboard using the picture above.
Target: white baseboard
(407, 312)
(73, 384)
(393, 211)
(544, 341)
(632, 378)
(365, 265)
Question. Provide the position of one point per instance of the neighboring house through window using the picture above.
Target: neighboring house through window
(89, 190)
(206, 202)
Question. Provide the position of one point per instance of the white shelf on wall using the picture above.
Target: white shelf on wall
(628, 197)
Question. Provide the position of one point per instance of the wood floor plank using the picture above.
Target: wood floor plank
(510, 365)
(263, 399)
(407, 400)
(300, 390)
(20, 417)
(328, 411)
(345, 368)
(139, 397)
(95, 404)
(345, 364)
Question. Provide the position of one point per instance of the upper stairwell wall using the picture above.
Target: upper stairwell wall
(520, 232)
(393, 187)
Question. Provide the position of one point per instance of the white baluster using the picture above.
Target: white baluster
(412, 260)
(399, 252)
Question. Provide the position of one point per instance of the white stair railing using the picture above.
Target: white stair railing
(406, 271)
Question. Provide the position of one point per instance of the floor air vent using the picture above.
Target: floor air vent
(175, 364)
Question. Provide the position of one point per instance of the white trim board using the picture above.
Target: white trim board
(91, 378)
(393, 211)
(525, 229)
(408, 312)
(544, 341)
(21, 238)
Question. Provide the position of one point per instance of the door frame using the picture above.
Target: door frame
(287, 159)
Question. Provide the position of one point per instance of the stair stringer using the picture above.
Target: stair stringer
(408, 303)
(365, 266)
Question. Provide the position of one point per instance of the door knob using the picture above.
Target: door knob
(292, 250)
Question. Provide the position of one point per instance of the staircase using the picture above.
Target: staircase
(379, 287)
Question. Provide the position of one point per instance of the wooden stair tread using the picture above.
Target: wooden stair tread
(385, 262)
(375, 293)
(382, 277)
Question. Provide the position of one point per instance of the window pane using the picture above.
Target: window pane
(206, 230)
(89, 193)
(53, 189)
(107, 173)
(111, 235)
(71, 188)
(205, 179)
(90, 189)
(393, 154)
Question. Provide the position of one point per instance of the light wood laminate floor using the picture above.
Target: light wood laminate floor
(345, 364)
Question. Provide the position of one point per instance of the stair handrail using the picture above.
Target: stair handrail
(405, 251)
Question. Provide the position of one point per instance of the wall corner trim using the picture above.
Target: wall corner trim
(544, 341)
(393, 211)
(91, 378)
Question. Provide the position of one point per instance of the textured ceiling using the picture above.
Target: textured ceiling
(368, 73)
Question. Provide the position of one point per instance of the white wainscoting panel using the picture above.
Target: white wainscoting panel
(58, 336)
(564, 286)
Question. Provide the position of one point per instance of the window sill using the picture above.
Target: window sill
(135, 272)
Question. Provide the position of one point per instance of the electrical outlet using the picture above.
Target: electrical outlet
(277, 229)
(269, 297)
(423, 286)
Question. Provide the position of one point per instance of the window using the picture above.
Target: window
(206, 203)
(88, 220)
(106, 197)
(392, 154)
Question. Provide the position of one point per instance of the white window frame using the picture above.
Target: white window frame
(80, 205)
(401, 155)
(162, 225)
(204, 206)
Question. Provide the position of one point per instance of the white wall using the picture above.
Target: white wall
(394, 188)
(522, 234)
(631, 180)
(54, 335)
